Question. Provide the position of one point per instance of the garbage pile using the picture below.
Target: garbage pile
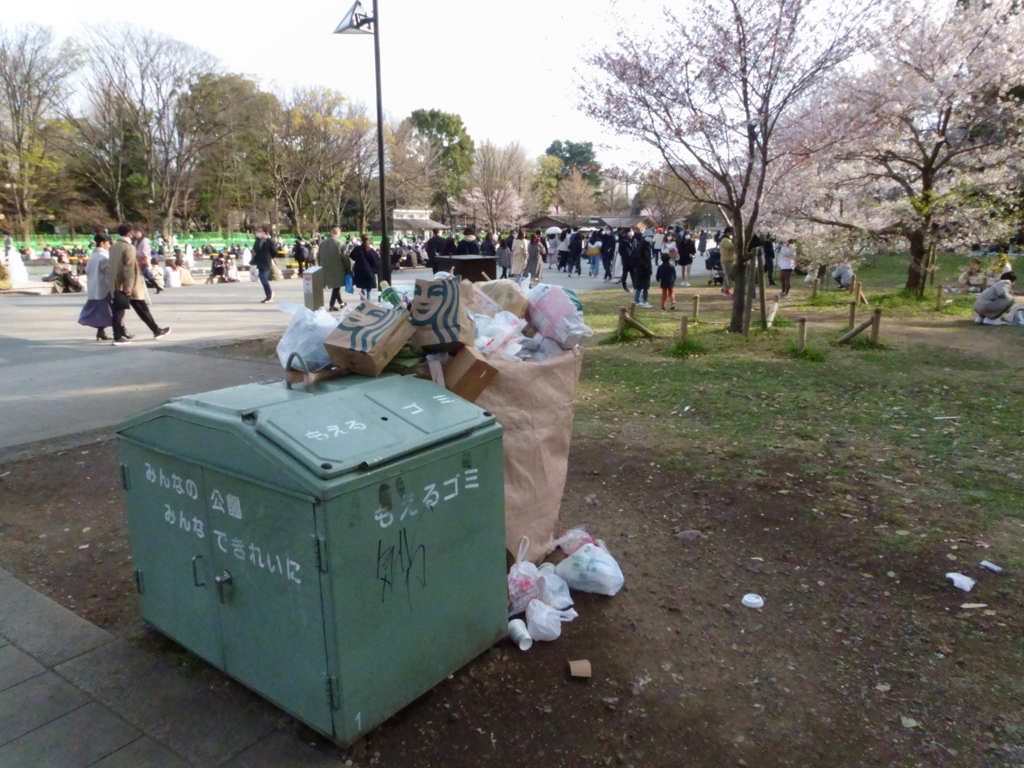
(543, 593)
(443, 329)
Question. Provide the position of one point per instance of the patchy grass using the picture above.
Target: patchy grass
(690, 348)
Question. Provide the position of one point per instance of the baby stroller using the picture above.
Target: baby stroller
(714, 263)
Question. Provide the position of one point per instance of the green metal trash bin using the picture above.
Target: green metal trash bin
(339, 550)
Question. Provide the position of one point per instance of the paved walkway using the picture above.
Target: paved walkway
(71, 696)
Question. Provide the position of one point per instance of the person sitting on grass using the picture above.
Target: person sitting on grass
(995, 301)
(973, 279)
(667, 280)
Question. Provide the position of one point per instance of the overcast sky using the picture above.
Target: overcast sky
(506, 66)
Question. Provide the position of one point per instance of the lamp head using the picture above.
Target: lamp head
(356, 21)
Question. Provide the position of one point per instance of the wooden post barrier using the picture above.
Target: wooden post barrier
(632, 309)
(861, 297)
(634, 324)
(761, 287)
(801, 335)
(851, 333)
(938, 299)
(622, 321)
(771, 314)
(696, 306)
(854, 287)
(876, 324)
(853, 313)
(684, 329)
(814, 289)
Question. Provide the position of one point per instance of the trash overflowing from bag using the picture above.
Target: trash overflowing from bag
(543, 593)
(306, 333)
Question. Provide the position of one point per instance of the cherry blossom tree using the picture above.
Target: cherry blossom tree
(498, 175)
(922, 144)
(710, 103)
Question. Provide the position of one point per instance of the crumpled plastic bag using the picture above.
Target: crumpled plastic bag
(966, 583)
(498, 335)
(523, 578)
(544, 622)
(554, 590)
(306, 334)
(591, 568)
(553, 314)
(572, 540)
(537, 348)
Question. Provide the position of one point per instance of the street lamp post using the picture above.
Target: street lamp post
(357, 22)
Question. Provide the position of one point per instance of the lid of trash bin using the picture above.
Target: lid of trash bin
(368, 423)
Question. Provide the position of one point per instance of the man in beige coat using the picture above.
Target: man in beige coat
(128, 280)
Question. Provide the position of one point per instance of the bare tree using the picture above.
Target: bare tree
(665, 197)
(160, 81)
(494, 185)
(577, 198)
(34, 77)
(710, 103)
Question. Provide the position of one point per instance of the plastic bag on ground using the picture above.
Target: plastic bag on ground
(544, 622)
(591, 568)
(306, 334)
(554, 591)
(554, 315)
(522, 581)
(572, 540)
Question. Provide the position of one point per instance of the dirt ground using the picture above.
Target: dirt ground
(849, 663)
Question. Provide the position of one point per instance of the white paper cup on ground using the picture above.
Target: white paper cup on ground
(753, 601)
(519, 634)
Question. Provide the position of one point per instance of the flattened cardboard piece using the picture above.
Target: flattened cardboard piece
(580, 668)
(368, 338)
(468, 374)
(439, 316)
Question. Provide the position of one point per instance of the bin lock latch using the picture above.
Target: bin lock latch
(222, 580)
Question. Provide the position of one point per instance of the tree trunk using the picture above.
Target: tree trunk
(739, 296)
(915, 271)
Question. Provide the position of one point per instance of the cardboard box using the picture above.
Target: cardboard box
(368, 338)
(441, 321)
(468, 374)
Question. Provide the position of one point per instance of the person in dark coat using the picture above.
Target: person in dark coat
(263, 252)
(468, 246)
(449, 246)
(607, 253)
(575, 251)
(434, 247)
(625, 256)
(365, 263)
(769, 259)
(487, 246)
(642, 272)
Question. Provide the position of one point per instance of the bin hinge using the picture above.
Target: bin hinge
(333, 692)
(321, 553)
(139, 587)
(126, 479)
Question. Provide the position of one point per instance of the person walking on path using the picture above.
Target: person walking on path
(98, 311)
(687, 250)
(469, 245)
(336, 266)
(642, 274)
(576, 245)
(520, 252)
(594, 254)
(128, 281)
(608, 254)
(667, 280)
(504, 258)
(365, 263)
(263, 252)
(487, 247)
(563, 250)
(787, 263)
(769, 259)
(626, 257)
(702, 244)
(534, 257)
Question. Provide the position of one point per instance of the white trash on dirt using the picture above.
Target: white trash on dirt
(991, 566)
(522, 581)
(519, 634)
(554, 590)
(545, 622)
(966, 583)
(753, 601)
(591, 568)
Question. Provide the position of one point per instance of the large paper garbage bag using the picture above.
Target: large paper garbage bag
(367, 339)
(534, 402)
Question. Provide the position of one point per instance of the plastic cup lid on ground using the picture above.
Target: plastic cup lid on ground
(753, 601)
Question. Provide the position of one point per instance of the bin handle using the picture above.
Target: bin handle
(195, 574)
(221, 580)
(303, 367)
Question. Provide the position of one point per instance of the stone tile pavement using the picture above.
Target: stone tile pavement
(72, 696)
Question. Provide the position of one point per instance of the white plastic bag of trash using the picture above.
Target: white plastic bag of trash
(545, 622)
(966, 583)
(591, 568)
(522, 581)
(306, 334)
(553, 589)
